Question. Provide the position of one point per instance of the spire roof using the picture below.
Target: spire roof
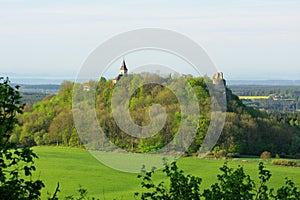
(123, 67)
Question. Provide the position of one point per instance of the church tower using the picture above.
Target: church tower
(123, 72)
(123, 69)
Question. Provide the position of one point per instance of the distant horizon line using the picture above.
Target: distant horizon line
(36, 77)
(59, 80)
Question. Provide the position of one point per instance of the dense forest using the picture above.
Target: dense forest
(247, 131)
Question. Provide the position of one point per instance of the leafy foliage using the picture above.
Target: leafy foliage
(233, 184)
(16, 164)
(83, 195)
(181, 186)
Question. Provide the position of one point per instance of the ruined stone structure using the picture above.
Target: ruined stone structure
(218, 79)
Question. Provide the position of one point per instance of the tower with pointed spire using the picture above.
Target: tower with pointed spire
(123, 69)
(123, 72)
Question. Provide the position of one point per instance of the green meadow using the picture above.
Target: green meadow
(74, 167)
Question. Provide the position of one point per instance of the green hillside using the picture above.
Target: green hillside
(247, 131)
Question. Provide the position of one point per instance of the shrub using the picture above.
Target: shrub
(181, 186)
(284, 162)
(232, 184)
(233, 155)
(219, 153)
(265, 155)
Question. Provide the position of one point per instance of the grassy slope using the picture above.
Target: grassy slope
(74, 167)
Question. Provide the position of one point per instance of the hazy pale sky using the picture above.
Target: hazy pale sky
(249, 39)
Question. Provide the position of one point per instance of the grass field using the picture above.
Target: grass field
(74, 167)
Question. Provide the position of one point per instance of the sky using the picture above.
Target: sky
(246, 39)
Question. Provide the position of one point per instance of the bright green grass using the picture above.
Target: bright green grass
(74, 167)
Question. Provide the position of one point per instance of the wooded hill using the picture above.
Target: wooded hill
(247, 131)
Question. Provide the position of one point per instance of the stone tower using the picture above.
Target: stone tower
(218, 79)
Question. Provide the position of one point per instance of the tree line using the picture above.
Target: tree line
(246, 130)
(257, 90)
